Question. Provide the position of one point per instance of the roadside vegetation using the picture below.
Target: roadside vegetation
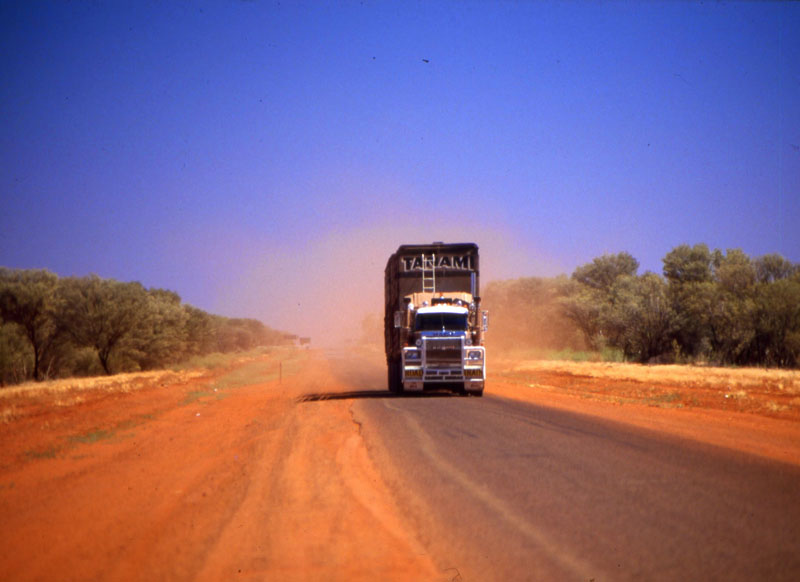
(706, 307)
(771, 393)
(52, 327)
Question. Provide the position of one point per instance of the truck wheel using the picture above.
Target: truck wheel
(390, 376)
(395, 379)
(478, 392)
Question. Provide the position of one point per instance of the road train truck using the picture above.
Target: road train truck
(433, 324)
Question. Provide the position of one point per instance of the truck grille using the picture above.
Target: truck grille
(443, 352)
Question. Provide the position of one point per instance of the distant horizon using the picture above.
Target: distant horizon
(379, 311)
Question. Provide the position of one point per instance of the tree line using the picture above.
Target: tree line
(53, 327)
(707, 306)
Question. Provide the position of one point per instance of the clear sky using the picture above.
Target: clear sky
(263, 159)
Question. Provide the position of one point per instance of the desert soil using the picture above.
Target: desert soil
(230, 474)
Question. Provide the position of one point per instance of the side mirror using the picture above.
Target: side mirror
(485, 320)
(398, 319)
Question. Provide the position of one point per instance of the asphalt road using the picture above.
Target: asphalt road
(500, 490)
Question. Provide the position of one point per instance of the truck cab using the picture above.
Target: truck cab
(442, 349)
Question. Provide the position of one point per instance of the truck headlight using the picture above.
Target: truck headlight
(413, 355)
(475, 355)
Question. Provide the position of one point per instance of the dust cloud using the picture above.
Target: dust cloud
(327, 288)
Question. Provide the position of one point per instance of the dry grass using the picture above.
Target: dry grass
(71, 391)
(735, 380)
(766, 392)
(66, 389)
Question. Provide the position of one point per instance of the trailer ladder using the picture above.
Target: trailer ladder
(429, 273)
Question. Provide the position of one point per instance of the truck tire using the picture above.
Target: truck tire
(399, 377)
(390, 376)
(478, 392)
(395, 377)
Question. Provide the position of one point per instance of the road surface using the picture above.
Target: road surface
(502, 490)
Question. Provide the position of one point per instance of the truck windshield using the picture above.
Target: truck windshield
(440, 322)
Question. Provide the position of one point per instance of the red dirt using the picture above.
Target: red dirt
(174, 481)
(251, 486)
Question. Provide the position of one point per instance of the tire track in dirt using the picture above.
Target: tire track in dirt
(323, 508)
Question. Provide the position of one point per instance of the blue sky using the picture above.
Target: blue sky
(263, 159)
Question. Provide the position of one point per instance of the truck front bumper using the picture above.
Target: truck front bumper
(416, 378)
